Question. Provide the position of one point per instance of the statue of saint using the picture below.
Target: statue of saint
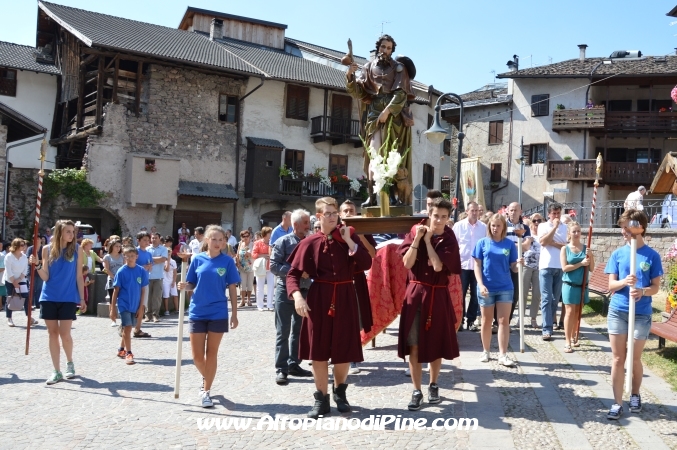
(384, 90)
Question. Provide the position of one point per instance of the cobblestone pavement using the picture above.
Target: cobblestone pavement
(551, 400)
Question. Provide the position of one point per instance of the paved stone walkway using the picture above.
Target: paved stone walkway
(551, 400)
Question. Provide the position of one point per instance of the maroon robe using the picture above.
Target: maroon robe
(439, 341)
(328, 263)
(362, 291)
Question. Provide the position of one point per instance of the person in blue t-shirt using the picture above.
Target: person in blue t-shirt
(495, 256)
(209, 275)
(128, 287)
(145, 260)
(63, 289)
(637, 287)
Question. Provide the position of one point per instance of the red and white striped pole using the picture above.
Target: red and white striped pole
(586, 269)
(36, 240)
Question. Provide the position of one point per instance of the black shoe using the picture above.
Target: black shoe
(371, 201)
(321, 406)
(281, 379)
(340, 398)
(297, 371)
(416, 400)
(434, 393)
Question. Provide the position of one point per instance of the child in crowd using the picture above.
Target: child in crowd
(87, 282)
(128, 289)
(169, 279)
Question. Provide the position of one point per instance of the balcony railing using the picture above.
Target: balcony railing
(313, 187)
(339, 131)
(599, 121)
(612, 172)
(577, 119)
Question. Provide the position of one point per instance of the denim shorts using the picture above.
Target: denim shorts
(128, 319)
(494, 297)
(617, 322)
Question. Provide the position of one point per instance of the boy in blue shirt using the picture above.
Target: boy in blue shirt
(128, 289)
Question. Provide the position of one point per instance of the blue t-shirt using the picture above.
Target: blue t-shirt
(130, 280)
(157, 272)
(62, 285)
(145, 257)
(496, 258)
(211, 277)
(648, 267)
(278, 232)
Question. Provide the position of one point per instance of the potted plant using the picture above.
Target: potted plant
(567, 158)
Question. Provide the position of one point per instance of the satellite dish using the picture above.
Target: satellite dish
(420, 191)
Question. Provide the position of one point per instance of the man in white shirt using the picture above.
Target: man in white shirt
(183, 229)
(552, 235)
(468, 231)
(196, 243)
(231, 239)
(634, 199)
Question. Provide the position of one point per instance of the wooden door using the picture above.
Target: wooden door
(194, 219)
(341, 112)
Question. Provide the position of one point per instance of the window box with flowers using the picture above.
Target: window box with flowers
(150, 165)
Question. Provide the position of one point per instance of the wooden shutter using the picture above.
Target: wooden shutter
(338, 164)
(297, 102)
(527, 155)
(294, 160)
(341, 112)
(496, 132)
(428, 176)
(540, 105)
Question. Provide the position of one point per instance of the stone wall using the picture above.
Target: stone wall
(3, 159)
(179, 119)
(606, 240)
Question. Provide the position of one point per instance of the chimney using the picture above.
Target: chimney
(216, 29)
(582, 47)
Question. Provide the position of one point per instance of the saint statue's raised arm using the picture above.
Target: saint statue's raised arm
(383, 88)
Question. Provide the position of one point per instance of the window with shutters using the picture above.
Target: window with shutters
(338, 165)
(428, 176)
(294, 160)
(540, 105)
(431, 120)
(535, 154)
(297, 102)
(495, 176)
(496, 132)
(8, 82)
(228, 108)
(341, 111)
(447, 146)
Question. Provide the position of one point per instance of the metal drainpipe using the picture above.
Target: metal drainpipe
(4, 200)
(237, 148)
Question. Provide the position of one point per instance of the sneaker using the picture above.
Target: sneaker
(473, 327)
(407, 373)
(55, 378)
(416, 400)
(635, 403)
(166, 313)
(615, 412)
(434, 393)
(485, 356)
(10, 322)
(129, 358)
(113, 324)
(506, 361)
(353, 369)
(70, 370)
(206, 400)
(121, 353)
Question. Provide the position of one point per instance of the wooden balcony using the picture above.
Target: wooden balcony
(612, 172)
(615, 123)
(577, 119)
(338, 131)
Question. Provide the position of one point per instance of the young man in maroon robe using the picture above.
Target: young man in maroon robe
(330, 327)
(427, 331)
(347, 209)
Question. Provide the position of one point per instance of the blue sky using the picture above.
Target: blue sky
(454, 44)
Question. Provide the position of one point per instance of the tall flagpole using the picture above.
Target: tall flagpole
(184, 254)
(586, 269)
(36, 240)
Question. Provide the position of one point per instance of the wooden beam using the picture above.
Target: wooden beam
(76, 136)
(115, 58)
(81, 99)
(115, 80)
(99, 91)
(88, 60)
(137, 104)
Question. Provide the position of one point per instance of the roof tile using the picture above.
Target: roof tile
(21, 57)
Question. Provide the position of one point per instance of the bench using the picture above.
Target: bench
(599, 284)
(666, 330)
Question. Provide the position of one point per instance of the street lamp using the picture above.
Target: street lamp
(437, 133)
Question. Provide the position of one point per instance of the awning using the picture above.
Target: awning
(212, 190)
(19, 126)
(262, 142)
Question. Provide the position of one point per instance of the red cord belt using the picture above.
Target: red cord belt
(332, 307)
(432, 299)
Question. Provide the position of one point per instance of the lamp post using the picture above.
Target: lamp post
(437, 133)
